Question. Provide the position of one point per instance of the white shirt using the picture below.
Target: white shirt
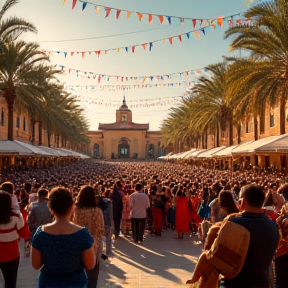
(139, 202)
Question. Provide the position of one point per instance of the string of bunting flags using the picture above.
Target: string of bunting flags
(149, 45)
(142, 103)
(150, 16)
(94, 88)
(118, 78)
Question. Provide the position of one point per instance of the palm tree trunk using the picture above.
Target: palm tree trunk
(282, 116)
(217, 136)
(40, 134)
(10, 106)
(238, 133)
(255, 127)
(48, 138)
(231, 131)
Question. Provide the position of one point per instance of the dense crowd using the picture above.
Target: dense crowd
(51, 205)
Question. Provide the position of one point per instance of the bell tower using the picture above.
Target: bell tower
(124, 114)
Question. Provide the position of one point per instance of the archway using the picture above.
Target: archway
(151, 151)
(124, 148)
(96, 151)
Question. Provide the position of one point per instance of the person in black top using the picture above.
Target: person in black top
(263, 240)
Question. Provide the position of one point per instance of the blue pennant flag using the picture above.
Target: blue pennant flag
(84, 5)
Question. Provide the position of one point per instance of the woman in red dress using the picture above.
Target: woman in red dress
(182, 214)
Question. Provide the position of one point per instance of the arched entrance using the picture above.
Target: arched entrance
(124, 148)
(151, 151)
(96, 151)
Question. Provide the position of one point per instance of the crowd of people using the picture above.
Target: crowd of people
(48, 208)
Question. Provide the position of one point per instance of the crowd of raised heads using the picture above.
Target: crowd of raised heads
(189, 180)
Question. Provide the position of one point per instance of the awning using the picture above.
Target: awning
(272, 144)
(227, 152)
(52, 151)
(195, 154)
(210, 152)
(21, 148)
(72, 153)
(184, 154)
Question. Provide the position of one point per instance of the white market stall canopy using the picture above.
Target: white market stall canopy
(272, 144)
(184, 154)
(71, 153)
(35, 149)
(210, 152)
(195, 153)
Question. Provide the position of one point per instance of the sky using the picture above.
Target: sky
(62, 29)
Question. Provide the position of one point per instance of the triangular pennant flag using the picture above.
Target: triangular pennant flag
(74, 4)
(140, 16)
(163, 40)
(84, 6)
(118, 13)
(180, 37)
(201, 22)
(144, 46)
(197, 35)
(182, 21)
(97, 9)
(203, 31)
(213, 24)
(65, 54)
(106, 51)
(64, 2)
(169, 20)
(108, 10)
(171, 40)
(118, 50)
(194, 23)
(126, 49)
(161, 18)
(133, 49)
(150, 18)
(98, 52)
(188, 35)
(220, 21)
(72, 53)
(128, 14)
(150, 46)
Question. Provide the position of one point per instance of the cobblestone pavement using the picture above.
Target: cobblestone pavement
(161, 261)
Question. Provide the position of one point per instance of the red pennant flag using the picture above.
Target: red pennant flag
(122, 79)
(194, 23)
(74, 4)
(180, 38)
(72, 53)
(133, 49)
(161, 18)
(150, 18)
(98, 52)
(171, 40)
(118, 13)
(108, 10)
(140, 16)
(220, 21)
(99, 79)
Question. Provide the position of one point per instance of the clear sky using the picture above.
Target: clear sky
(56, 23)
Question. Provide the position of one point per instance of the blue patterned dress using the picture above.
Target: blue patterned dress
(62, 258)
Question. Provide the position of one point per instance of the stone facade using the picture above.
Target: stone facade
(124, 138)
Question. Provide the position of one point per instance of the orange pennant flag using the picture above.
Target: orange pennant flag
(197, 34)
(128, 14)
(180, 38)
(72, 53)
(118, 14)
(118, 49)
(144, 46)
(83, 53)
(140, 16)
(171, 40)
(64, 2)
(161, 18)
(220, 21)
(106, 51)
(74, 4)
(150, 18)
(213, 24)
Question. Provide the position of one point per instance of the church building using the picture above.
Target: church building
(125, 139)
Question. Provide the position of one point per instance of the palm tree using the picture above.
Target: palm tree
(212, 104)
(18, 76)
(13, 26)
(267, 41)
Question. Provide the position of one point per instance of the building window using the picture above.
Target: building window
(18, 122)
(2, 117)
(96, 150)
(247, 127)
(272, 124)
(124, 118)
(24, 124)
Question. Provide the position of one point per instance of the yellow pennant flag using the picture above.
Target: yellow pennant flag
(128, 14)
(64, 2)
(163, 40)
(118, 49)
(97, 9)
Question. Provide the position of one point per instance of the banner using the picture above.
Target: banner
(160, 18)
(148, 46)
(118, 78)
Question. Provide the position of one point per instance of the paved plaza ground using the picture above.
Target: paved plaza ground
(158, 262)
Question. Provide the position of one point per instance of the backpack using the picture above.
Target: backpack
(229, 249)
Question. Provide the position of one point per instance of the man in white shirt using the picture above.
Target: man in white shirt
(139, 202)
